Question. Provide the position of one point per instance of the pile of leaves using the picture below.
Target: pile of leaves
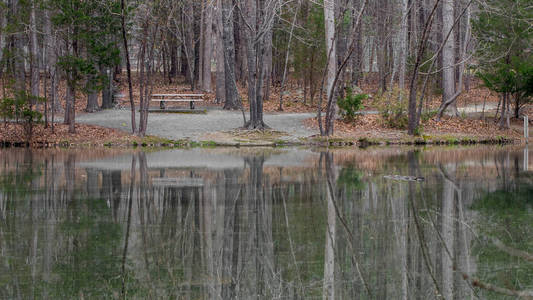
(374, 127)
(472, 127)
(85, 135)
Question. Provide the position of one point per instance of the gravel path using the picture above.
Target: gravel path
(193, 126)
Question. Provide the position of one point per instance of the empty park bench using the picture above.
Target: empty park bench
(191, 98)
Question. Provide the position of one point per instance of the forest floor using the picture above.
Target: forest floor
(296, 124)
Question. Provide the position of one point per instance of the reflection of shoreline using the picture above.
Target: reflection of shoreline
(201, 159)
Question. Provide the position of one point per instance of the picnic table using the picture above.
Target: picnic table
(191, 98)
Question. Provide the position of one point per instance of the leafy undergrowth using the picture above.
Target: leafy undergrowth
(12, 133)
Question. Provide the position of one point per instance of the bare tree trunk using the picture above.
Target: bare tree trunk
(128, 63)
(251, 55)
(189, 45)
(3, 22)
(201, 41)
(331, 49)
(18, 44)
(231, 101)
(413, 85)
(448, 54)
(268, 65)
(34, 59)
(92, 101)
(261, 15)
(284, 78)
(403, 45)
(51, 59)
(149, 39)
(70, 110)
(220, 76)
(220, 86)
(208, 46)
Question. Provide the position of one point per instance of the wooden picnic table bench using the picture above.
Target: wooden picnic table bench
(191, 98)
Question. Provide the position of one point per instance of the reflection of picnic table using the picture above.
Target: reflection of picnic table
(178, 182)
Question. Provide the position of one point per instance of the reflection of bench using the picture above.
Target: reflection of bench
(178, 182)
(191, 98)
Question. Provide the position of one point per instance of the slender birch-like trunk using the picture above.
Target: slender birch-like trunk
(220, 80)
(3, 22)
(331, 49)
(34, 45)
(208, 46)
(448, 54)
(403, 45)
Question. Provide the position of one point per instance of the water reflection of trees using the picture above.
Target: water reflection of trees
(253, 231)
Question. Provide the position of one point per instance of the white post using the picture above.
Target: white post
(526, 129)
(526, 158)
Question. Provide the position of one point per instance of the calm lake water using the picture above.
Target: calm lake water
(385, 223)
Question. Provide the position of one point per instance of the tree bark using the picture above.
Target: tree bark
(51, 48)
(92, 101)
(128, 63)
(18, 44)
(70, 111)
(107, 91)
(3, 22)
(231, 101)
(220, 84)
(403, 45)
(268, 65)
(189, 45)
(448, 54)
(208, 46)
(34, 59)
(251, 55)
(413, 85)
(331, 49)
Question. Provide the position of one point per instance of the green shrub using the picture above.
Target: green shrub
(428, 115)
(392, 110)
(21, 108)
(351, 104)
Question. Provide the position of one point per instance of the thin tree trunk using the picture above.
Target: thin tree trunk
(70, 110)
(412, 112)
(220, 86)
(188, 31)
(208, 46)
(3, 22)
(331, 49)
(403, 46)
(128, 63)
(51, 62)
(201, 41)
(18, 44)
(35, 74)
(231, 101)
(284, 78)
(268, 66)
(448, 54)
